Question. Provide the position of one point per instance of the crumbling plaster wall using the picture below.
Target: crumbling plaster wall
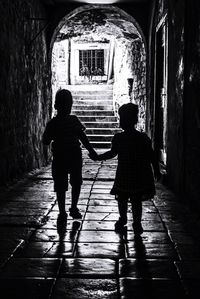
(24, 87)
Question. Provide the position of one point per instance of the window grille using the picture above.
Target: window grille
(91, 62)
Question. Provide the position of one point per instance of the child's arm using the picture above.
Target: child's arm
(107, 155)
(112, 152)
(47, 138)
(83, 138)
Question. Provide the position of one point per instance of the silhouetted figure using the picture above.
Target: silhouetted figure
(66, 132)
(134, 178)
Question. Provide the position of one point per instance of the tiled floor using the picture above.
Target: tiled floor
(88, 259)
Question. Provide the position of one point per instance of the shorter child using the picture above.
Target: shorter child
(66, 132)
(134, 178)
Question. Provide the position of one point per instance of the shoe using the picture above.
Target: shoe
(62, 217)
(137, 228)
(120, 225)
(74, 213)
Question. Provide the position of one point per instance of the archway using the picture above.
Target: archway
(101, 45)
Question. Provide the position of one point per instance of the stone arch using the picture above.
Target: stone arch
(137, 84)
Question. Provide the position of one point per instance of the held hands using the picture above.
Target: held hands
(93, 155)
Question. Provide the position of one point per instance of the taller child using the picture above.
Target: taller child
(66, 131)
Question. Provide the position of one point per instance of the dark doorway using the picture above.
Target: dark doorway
(161, 75)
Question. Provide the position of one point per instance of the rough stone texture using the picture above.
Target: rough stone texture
(24, 88)
(88, 259)
(130, 63)
(183, 95)
(192, 104)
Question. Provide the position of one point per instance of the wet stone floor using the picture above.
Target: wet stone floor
(88, 259)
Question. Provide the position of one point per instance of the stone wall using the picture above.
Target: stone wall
(192, 103)
(24, 87)
(183, 140)
(130, 63)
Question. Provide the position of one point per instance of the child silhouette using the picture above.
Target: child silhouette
(66, 132)
(134, 178)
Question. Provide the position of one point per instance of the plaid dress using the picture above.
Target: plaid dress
(134, 175)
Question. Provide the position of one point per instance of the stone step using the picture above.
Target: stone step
(102, 131)
(102, 125)
(94, 112)
(102, 138)
(91, 107)
(97, 118)
(89, 87)
(101, 145)
(93, 98)
(102, 102)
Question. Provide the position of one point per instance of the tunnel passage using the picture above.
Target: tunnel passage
(98, 52)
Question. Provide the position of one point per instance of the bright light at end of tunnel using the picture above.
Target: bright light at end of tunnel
(98, 1)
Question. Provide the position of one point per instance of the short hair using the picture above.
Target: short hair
(128, 115)
(63, 100)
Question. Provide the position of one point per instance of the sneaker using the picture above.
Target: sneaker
(137, 228)
(120, 225)
(74, 213)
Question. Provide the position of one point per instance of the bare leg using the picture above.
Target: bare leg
(61, 201)
(74, 211)
(137, 215)
(136, 210)
(122, 207)
(76, 189)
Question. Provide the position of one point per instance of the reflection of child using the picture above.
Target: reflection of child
(134, 178)
(65, 131)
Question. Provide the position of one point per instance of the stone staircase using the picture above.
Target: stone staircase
(93, 105)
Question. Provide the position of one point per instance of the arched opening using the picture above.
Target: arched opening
(99, 53)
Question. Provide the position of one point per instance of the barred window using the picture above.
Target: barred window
(91, 62)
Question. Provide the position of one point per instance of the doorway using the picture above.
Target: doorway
(160, 100)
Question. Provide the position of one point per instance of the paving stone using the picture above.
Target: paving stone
(34, 249)
(9, 246)
(85, 288)
(88, 251)
(98, 236)
(151, 237)
(181, 238)
(147, 269)
(61, 249)
(31, 196)
(85, 267)
(102, 209)
(189, 269)
(8, 211)
(98, 225)
(30, 221)
(26, 288)
(31, 267)
(50, 235)
(192, 288)
(152, 289)
(15, 233)
(149, 225)
(101, 216)
(101, 196)
(152, 250)
(71, 224)
(102, 202)
(188, 251)
(100, 250)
